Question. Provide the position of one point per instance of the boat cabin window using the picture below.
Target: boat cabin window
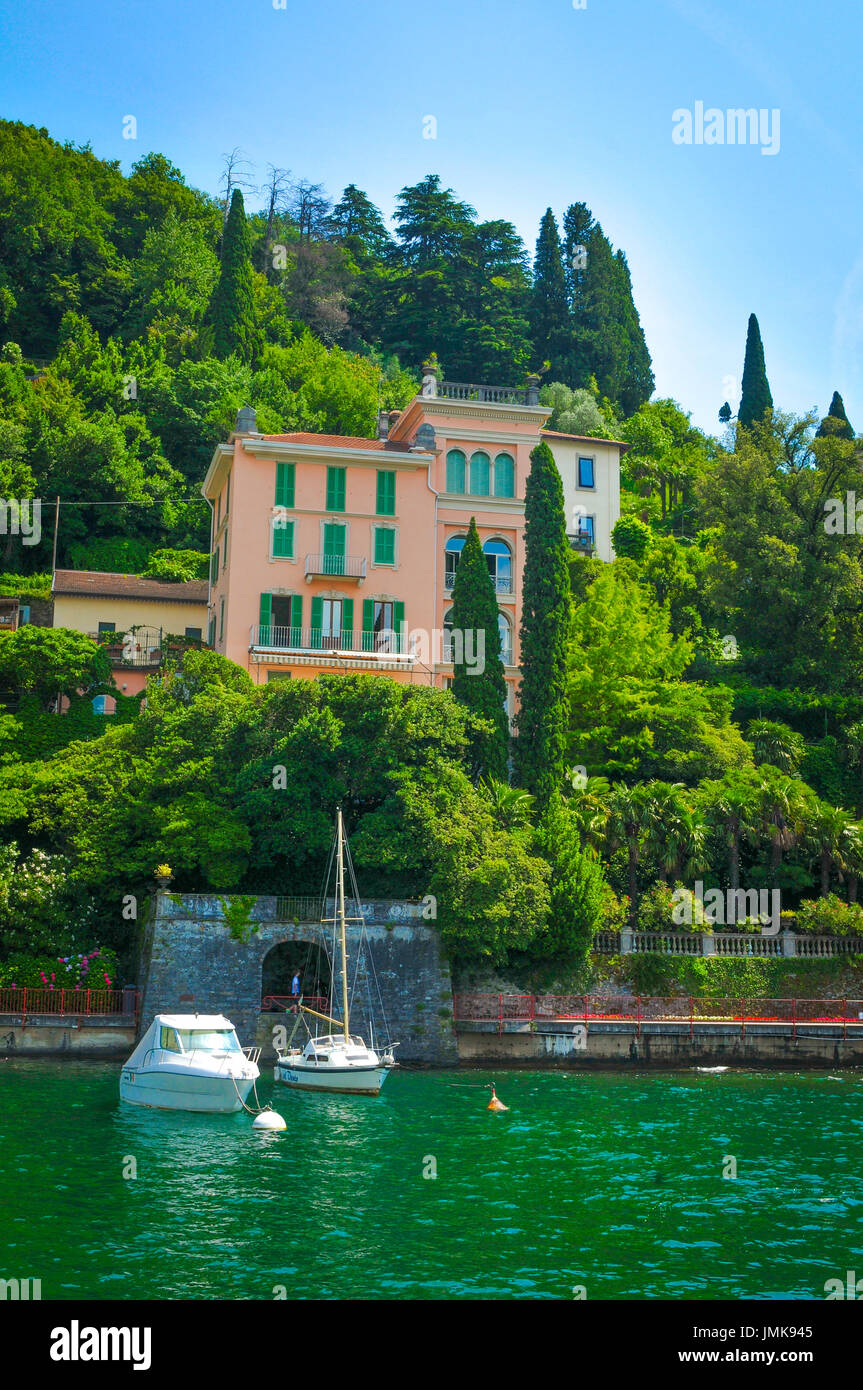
(209, 1040)
(168, 1040)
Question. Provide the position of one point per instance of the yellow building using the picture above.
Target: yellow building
(134, 617)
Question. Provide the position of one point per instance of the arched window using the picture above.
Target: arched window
(452, 554)
(455, 471)
(480, 469)
(504, 627)
(499, 560)
(504, 476)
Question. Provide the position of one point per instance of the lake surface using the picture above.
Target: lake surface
(609, 1181)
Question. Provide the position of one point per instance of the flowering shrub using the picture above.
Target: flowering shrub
(829, 916)
(96, 969)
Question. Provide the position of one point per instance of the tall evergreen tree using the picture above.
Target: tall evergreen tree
(549, 310)
(357, 222)
(232, 307)
(546, 610)
(479, 684)
(836, 422)
(755, 389)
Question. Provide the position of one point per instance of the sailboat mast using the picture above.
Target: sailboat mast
(341, 909)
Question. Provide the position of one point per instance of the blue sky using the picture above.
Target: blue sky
(537, 104)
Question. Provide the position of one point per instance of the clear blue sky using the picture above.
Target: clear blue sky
(537, 104)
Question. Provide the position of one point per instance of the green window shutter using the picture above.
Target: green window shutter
(504, 476)
(317, 621)
(348, 624)
(386, 493)
(385, 546)
(214, 567)
(455, 471)
(400, 622)
(334, 548)
(479, 474)
(283, 540)
(296, 620)
(368, 624)
(336, 489)
(285, 474)
(264, 619)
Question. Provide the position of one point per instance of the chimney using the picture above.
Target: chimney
(247, 421)
(383, 424)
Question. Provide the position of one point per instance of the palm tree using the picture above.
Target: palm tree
(780, 814)
(775, 743)
(511, 807)
(852, 856)
(631, 816)
(827, 836)
(732, 804)
(589, 805)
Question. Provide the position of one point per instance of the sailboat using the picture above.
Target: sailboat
(338, 1061)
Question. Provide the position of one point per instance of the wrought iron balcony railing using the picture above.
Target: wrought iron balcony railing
(503, 584)
(345, 566)
(304, 639)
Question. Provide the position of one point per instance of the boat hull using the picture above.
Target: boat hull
(354, 1081)
(158, 1090)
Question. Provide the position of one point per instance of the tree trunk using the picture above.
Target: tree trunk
(633, 883)
(734, 860)
(852, 888)
(826, 864)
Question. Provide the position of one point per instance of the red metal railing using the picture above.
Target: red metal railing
(81, 1003)
(640, 1009)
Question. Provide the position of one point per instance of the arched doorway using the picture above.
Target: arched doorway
(277, 972)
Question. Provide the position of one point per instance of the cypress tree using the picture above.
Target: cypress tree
(755, 394)
(480, 686)
(836, 422)
(549, 309)
(545, 618)
(232, 307)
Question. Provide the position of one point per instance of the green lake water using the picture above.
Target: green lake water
(611, 1181)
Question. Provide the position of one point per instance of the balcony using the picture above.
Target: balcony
(502, 583)
(344, 566)
(582, 542)
(143, 647)
(303, 639)
(488, 395)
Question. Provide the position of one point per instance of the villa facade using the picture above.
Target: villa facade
(339, 554)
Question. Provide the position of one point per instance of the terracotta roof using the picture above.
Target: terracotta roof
(585, 438)
(100, 584)
(340, 441)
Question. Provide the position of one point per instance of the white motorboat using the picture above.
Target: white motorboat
(190, 1062)
(336, 1061)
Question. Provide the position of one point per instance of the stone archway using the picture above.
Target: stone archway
(278, 967)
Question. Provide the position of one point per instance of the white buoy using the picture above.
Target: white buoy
(268, 1119)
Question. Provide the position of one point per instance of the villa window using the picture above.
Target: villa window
(452, 554)
(336, 489)
(194, 633)
(383, 621)
(282, 539)
(106, 628)
(505, 629)
(455, 471)
(504, 476)
(285, 484)
(499, 560)
(334, 547)
(221, 619)
(332, 623)
(586, 473)
(480, 468)
(386, 500)
(385, 545)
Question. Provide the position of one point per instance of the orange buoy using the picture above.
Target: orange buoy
(494, 1103)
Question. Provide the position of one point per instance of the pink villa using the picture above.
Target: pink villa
(337, 554)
